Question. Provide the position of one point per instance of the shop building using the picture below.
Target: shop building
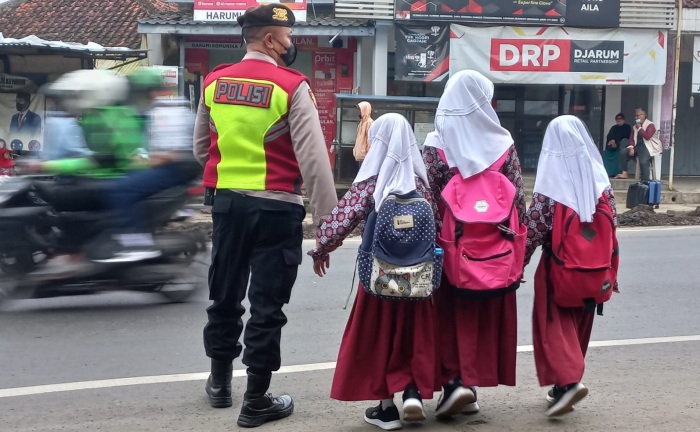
(687, 141)
(332, 52)
(590, 58)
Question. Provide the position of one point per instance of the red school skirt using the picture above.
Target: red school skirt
(477, 339)
(560, 336)
(387, 345)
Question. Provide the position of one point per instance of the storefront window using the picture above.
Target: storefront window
(424, 123)
(586, 103)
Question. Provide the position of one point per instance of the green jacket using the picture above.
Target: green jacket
(115, 135)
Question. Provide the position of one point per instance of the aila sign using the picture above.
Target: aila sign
(548, 55)
(561, 55)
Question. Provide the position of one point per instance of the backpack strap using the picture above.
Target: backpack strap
(496, 166)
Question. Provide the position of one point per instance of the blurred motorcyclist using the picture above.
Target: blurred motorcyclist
(113, 135)
(168, 126)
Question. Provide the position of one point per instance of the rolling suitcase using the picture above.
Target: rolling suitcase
(637, 193)
(654, 193)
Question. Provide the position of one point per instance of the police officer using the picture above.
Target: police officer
(258, 134)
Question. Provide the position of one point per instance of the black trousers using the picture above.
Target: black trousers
(641, 152)
(259, 240)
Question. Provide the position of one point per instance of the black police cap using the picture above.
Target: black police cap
(272, 14)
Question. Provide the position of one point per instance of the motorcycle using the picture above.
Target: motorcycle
(35, 225)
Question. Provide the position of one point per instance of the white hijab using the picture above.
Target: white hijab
(570, 170)
(471, 136)
(393, 157)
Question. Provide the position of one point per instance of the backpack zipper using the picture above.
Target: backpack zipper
(500, 255)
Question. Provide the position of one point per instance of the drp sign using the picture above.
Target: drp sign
(530, 55)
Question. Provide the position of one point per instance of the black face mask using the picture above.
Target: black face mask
(291, 55)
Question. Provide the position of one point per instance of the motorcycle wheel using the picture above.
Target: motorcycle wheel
(13, 267)
(180, 290)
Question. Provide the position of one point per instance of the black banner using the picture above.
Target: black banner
(593, 13)
(422, 53)
(577, 13)
(597, 56)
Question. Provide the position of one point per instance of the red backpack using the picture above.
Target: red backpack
(482, 237)
(585, 257)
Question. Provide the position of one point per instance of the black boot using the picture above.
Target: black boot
(260, 407)
(219, 383)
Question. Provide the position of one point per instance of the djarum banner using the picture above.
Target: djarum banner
(561, 55)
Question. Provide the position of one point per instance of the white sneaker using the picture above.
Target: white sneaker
(473, 407)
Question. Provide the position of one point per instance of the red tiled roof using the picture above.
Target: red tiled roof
(111, 23)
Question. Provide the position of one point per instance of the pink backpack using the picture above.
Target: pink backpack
(482, 237)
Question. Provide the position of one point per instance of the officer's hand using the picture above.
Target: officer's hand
(321, 265)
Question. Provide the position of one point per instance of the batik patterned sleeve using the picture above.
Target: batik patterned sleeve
(438, 176)
(352, 209)
(611, 199)
(539, 219)
(513, 171)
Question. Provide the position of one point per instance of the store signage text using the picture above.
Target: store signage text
(551, 55)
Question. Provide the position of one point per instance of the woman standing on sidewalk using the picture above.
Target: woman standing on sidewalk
(570, 172)
(477, 338)
(388, 345)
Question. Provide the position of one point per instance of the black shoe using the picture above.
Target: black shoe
(258, 411)
(564, 398)
(454, 398)
(219, 384)
(412, 405)
(387, 419)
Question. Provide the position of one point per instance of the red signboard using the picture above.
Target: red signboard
(230, 10)
(324, 85)
(530, 55)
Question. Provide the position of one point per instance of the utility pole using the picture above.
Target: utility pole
(679, 33)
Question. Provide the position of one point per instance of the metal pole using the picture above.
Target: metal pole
(181, 67)
(679, 33)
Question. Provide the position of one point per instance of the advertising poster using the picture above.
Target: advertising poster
(170, 79)
(22, 114)
(533, 55)
(323, 84)
(230, 10)
(578, 13)
(422, 53)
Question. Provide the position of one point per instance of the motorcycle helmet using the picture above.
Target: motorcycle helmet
(86, 89)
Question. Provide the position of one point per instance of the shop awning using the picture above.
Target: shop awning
(321, 24)
(34, 45)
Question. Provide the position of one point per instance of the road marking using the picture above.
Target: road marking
(313, 367)
(657, 228)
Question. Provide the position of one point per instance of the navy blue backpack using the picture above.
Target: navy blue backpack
(398, 258)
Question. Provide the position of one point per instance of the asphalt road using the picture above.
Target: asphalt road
(640, 376)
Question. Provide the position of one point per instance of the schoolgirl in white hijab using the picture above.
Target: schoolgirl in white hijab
(399, 337)
(393, 157)
(570, 170)
(470, 134)
(477, 342)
